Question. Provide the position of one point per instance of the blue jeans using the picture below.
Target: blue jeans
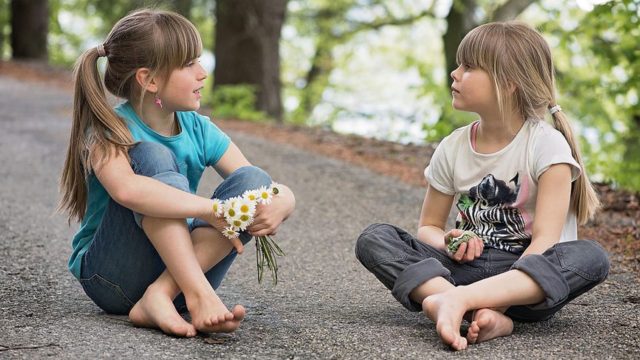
(402, 263)
(121, 262)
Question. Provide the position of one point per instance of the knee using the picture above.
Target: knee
(371, 244)
(150, 158)
(588, 258)
(598, 258)
(250, 177)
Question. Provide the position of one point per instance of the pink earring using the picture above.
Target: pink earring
(158, 101)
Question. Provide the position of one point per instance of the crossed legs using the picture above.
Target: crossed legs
(187, 256)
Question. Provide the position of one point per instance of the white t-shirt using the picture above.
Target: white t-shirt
(496, 193)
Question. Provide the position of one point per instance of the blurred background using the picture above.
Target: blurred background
(377, 68)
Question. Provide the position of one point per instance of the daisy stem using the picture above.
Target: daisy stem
(266, 252)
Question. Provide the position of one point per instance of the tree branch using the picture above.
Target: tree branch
(510, 9)
(375, 25)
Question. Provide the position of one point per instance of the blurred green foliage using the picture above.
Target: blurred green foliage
(598, 65)
(235, 102)
(596, 54)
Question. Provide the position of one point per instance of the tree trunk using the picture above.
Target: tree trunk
(29, 29)
(183, 7)
(459, 23)
(247, 38)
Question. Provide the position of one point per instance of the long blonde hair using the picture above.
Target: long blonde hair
(517, 56)
(158, 40)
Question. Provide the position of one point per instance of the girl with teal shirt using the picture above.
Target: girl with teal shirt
(147, 246)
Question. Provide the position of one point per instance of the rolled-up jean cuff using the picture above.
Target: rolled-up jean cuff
(548, 277)
(415, 275)
(170, 178)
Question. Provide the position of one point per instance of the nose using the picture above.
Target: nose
(202, 74)
(454, 73)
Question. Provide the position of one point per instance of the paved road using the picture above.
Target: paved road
(326, 305)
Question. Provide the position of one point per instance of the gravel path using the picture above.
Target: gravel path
(326, 305)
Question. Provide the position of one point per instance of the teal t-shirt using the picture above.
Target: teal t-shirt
(199, 144)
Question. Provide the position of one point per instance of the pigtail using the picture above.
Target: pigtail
(584, 199)
(95, 126)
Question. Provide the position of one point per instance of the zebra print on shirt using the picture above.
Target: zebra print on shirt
(486, 210)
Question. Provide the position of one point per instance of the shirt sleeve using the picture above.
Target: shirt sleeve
(552, 148)
(216, 142)
(439, 172)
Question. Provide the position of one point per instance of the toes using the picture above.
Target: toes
(472, 334)
(228, 316)
(238, 312)
(462, 343)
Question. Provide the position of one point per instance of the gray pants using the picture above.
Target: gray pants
(402, 263)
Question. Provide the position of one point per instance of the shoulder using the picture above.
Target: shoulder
(544, 134)
(457, 137)
(193, 118)
(548, 147)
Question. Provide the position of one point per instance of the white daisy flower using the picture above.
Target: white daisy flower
(246, 207)
(232, 209)
(251, 195)
(265, 195)
(274, 188)
(217, 207)
(230, 232)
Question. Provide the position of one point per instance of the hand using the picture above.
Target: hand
(219, 223)
(468, 251)
(267, 219)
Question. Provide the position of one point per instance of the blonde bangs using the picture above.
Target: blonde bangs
(480, 47)
(177, 42)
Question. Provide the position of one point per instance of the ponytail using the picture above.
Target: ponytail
(154, 39)
(584, 199)
(95, 127)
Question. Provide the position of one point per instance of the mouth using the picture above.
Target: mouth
(454, 90)
(197, 91)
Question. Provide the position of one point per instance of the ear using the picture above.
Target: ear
(145, 81)
(511, 87)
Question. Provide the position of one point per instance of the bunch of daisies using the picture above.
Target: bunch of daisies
(239, 213)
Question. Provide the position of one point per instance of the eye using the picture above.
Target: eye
(192, 62)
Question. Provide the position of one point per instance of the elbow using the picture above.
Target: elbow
(123, 195)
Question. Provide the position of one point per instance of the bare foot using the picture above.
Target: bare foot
(488, 324)
(211, 315)
(156, 310)
(447, 312)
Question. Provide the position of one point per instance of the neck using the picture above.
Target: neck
(494, 133)
(160, 120)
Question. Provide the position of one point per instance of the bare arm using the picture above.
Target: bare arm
(552, 206)
(433, 217)
(146, 195)
(231, 160)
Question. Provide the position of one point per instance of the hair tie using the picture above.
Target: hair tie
(554, 109)
(101, 51)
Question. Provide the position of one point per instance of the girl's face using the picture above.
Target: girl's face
(472, 90)
(181, 92)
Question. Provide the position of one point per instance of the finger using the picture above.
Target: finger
(469, 255)
(460, 253)
(237, 244)
(262, 232)
(479, 247)
(258, 232)
(450, 235)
